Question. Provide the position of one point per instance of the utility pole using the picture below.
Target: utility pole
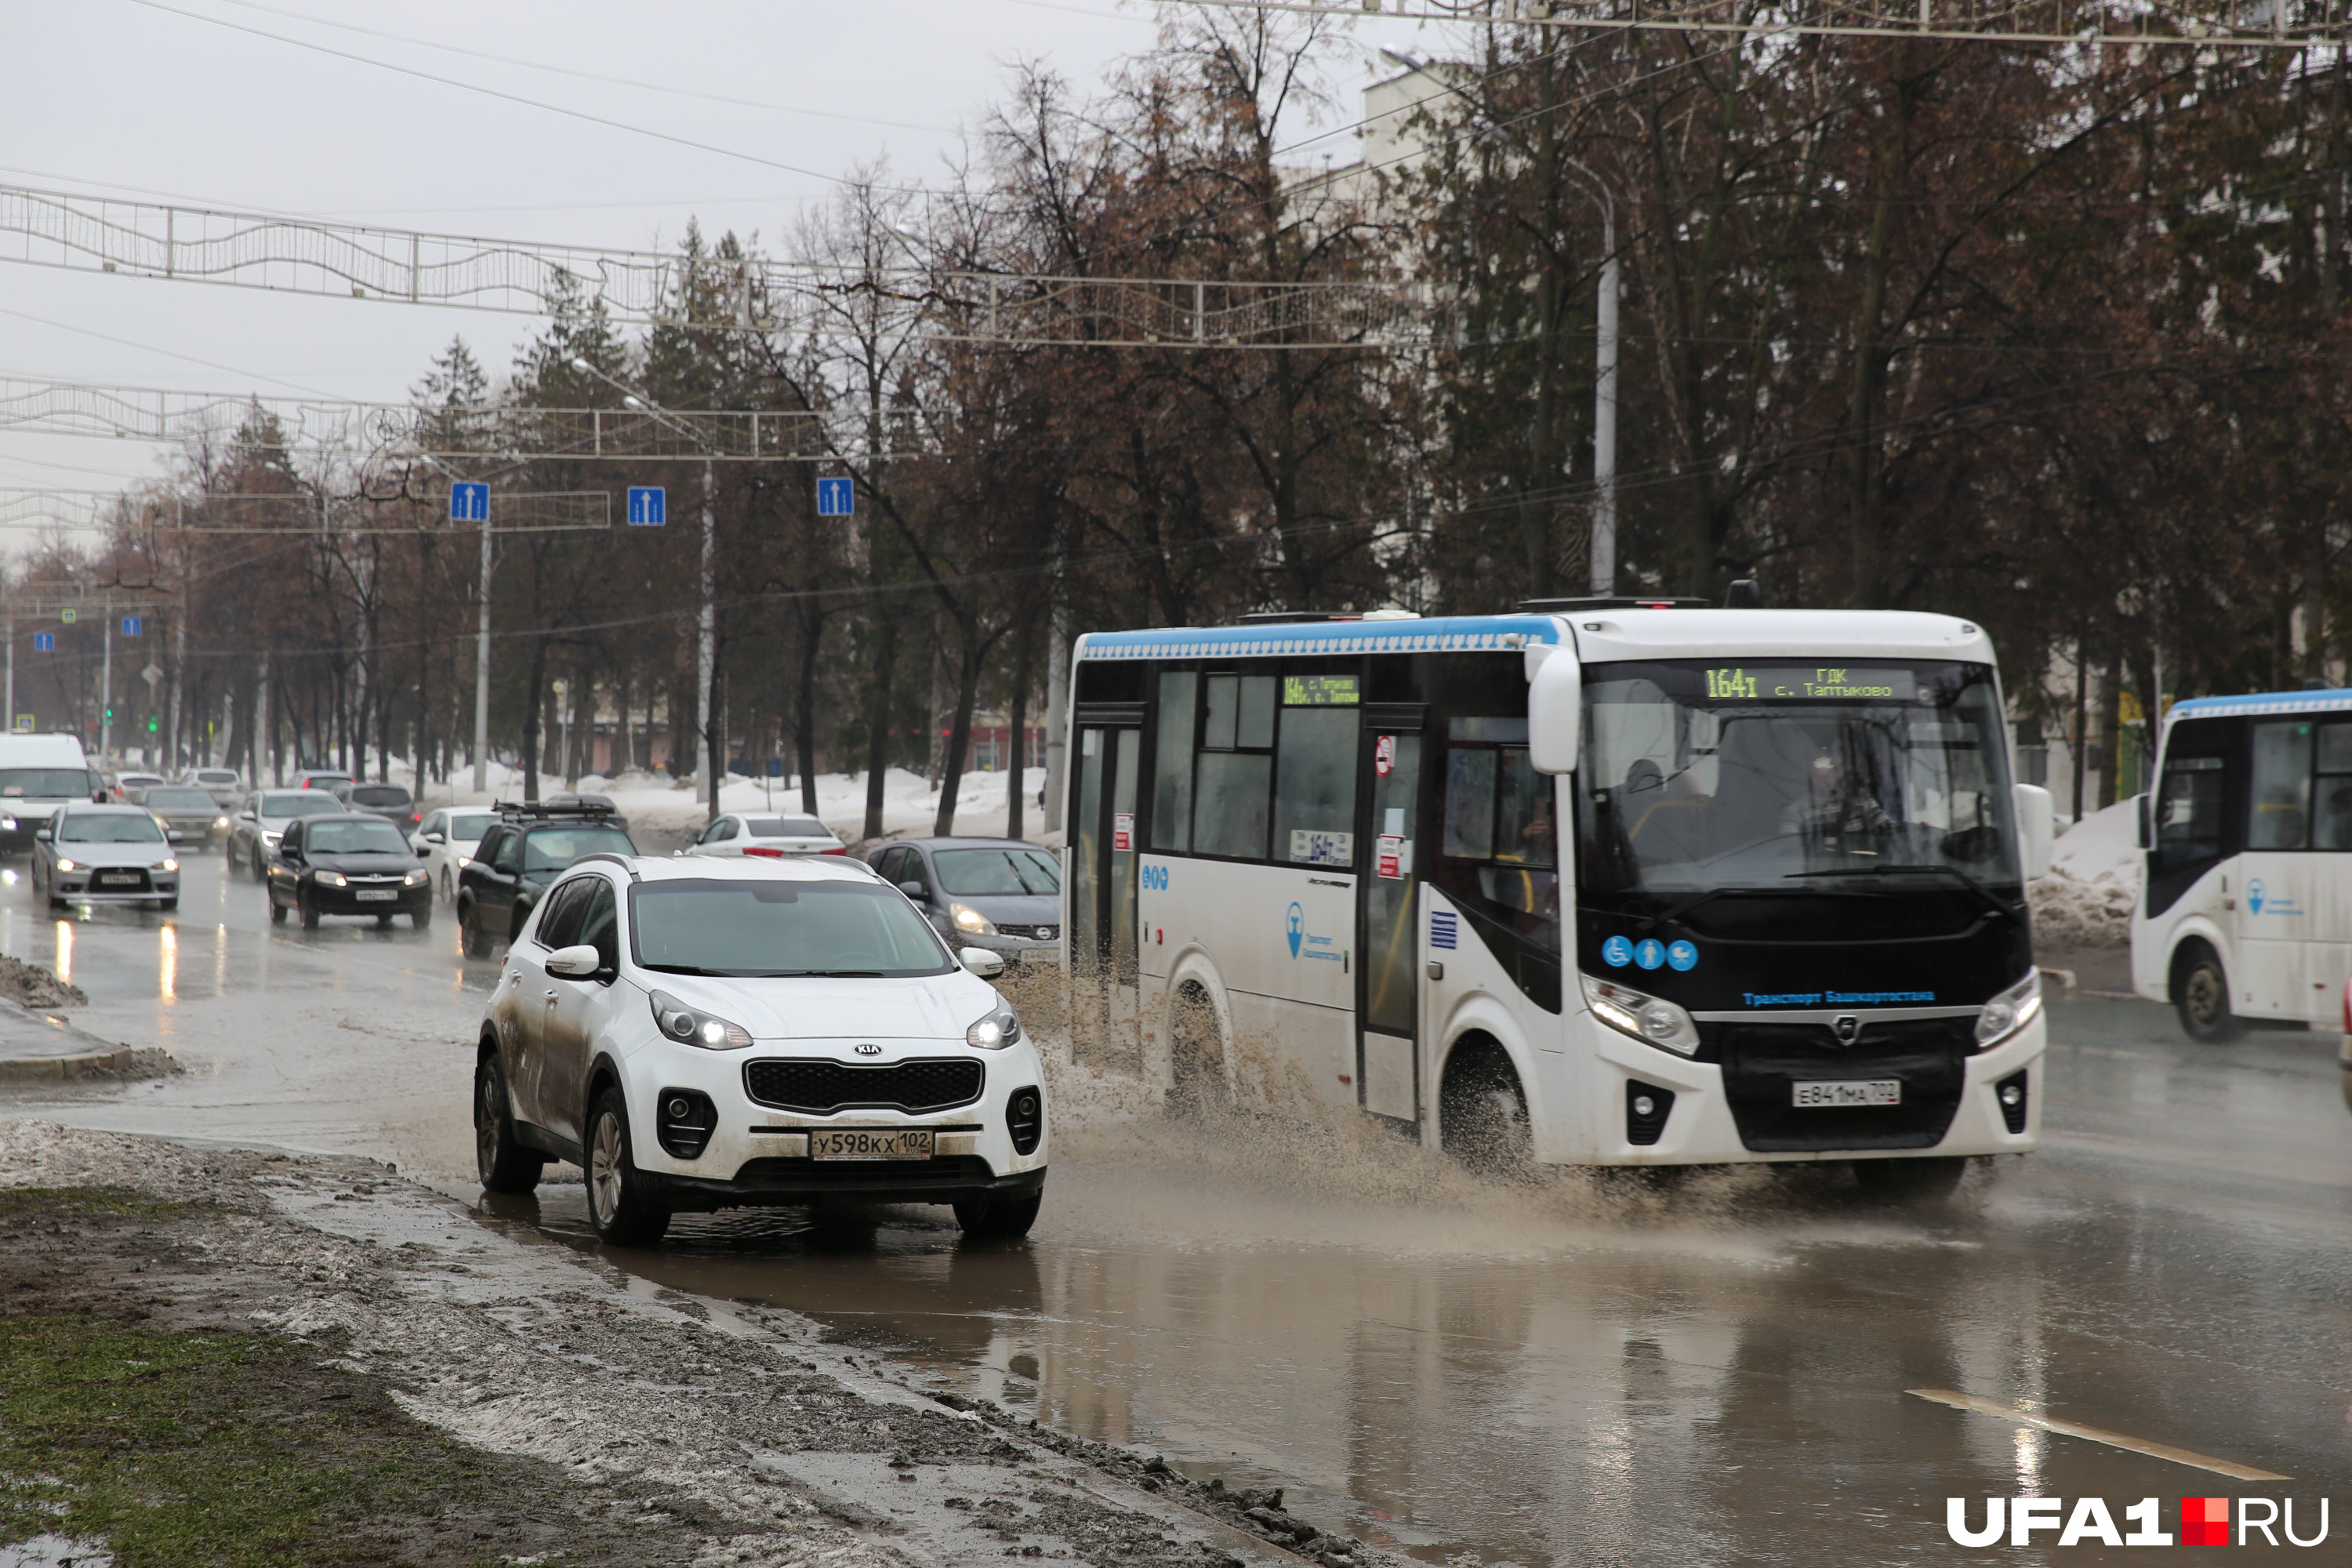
(705, 663)
(1603, 554)
(482, 672)
(11, 714)
(106, 689)
(266, 742)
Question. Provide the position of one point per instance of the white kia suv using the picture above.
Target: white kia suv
(702, 1033)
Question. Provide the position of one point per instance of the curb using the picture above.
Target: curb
(128, 1062)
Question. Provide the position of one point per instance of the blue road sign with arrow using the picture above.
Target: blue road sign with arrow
(469, 502)
(133, 625)
(44, 642)
(836, 498)
(648, 507)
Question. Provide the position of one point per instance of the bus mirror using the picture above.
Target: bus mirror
(2139, 809)
(1555, 696)
(2036, 829)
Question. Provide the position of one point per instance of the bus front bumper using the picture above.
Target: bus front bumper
(1701, 1130)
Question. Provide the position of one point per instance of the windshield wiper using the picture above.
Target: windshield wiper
(1993, 900)
(830, 974)
(687, 969)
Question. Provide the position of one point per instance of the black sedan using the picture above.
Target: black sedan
(340, 865)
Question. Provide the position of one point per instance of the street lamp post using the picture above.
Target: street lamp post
(707, 652)
(1605, 397)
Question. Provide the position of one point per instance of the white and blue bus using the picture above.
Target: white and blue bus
(2245, 908)
(1606, 883)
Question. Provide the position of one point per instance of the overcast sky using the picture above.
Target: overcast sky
(168, 99)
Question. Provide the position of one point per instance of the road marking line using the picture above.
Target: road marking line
(2094, 1434)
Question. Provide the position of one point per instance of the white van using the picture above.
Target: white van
(40, 774)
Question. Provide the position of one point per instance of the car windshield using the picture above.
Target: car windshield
(44, 783)
(380, 794)
(303, 805)
(779, 928)
(786, 827)
(359, 836)
(176, 800)
(1700, 778)
(111, 828)
(978, 873)
(469, 827)
(553, 849)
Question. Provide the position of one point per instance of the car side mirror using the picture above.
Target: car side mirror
(42, 834)
(2147, 832)
(980, 962)
(437, 838)
(574, 962)
(913, 890)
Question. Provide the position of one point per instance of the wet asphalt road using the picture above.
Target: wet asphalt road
(1577, 1371)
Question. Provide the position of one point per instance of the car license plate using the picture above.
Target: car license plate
(1848, 1091)
(871, 1143)
(377, 895)
(119, 879)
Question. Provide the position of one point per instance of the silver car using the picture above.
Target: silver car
(105, 855)
(254, 830)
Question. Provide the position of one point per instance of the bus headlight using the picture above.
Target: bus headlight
(2010, 1011)
(968, 919)
(1652, 1020)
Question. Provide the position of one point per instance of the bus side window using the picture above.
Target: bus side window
(2281, 786)
(1172, 768)
(1470, 805)
(2332, 802)
(2189, 811)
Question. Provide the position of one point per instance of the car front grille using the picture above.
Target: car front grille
(1035, 933)
(822, 1088)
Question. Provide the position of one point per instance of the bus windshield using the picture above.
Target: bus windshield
(1789, 778)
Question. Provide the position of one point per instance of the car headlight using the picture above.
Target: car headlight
(66, 865)
(271, 838)
(968, 919)
(692, 1027)
(169, 865)
(331, 879)
(220, 822)
(464, 861)
(1652, 1020)
(2010, 1011)
(9, 823)
(415, 880)
(995, 1032)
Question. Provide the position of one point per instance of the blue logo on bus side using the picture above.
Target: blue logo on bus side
(2254, 895)
(1155, 878)
(1682, 956)
(1649, 952)
(1617, 953)
(1297, 927)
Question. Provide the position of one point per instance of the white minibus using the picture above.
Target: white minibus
(1607, 882)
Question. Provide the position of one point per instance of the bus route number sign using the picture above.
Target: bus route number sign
(1321, 692)
(1811, 683)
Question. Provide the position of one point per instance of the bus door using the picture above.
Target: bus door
(1103, 846)
(1388, 995)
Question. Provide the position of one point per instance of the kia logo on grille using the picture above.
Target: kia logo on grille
(869, 1050)
(1846, 1026)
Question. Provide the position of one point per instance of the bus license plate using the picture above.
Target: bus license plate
(1848, 1091)
(377, 895)
(871, 1143)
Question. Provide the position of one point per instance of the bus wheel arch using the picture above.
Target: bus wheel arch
(2198, 984)
(1200, 1034)
(1482, 1106)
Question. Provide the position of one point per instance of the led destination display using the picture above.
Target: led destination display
(1810, 682)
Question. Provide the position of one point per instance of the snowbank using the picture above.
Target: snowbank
(2087, 900)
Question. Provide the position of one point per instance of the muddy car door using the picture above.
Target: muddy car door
(535, 993)
(583, 1005)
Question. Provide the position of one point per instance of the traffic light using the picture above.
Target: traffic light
(110, 715)
(151, 723)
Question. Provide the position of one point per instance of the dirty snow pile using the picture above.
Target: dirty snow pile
(2087, 900)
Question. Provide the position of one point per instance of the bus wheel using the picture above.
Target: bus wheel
(2201, 995)
(1196, 1052)
(1936, 1176)
(1481, 1112)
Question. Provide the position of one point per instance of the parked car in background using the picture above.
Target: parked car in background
(445, 841)
(125, 787)
(761, 836)
(254, 831)
(40, 774)
(317, 778)
(389, 800)
(524, 851)
(223, 783)
(105, 854)
(347, 864)
(1000, 894)
(185, 810)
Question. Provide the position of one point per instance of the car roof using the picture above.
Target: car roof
(111, 808)
(817, 869)
(953, 842)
